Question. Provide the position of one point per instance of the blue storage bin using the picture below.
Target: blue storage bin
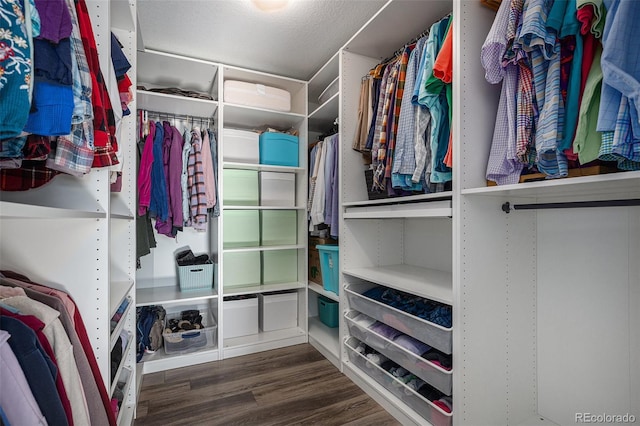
(328, 311)
(330, 267)
(279, 149)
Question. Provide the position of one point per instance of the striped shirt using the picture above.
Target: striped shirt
(196, 184)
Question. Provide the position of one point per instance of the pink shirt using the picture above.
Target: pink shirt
(144, 174)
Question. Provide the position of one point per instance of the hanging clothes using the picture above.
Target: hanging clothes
(97, 399)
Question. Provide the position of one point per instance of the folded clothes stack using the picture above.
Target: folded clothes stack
(429, 310)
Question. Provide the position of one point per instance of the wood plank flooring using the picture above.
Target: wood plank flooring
(288, 386)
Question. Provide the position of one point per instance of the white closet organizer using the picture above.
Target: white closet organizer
(321, 119)
(75, 235)
(242, 117)
(542, 296)
(390, 242)
(157, 279)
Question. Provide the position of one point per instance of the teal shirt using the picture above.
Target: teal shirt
(571, 27)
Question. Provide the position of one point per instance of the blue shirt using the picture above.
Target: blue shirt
(159, 205)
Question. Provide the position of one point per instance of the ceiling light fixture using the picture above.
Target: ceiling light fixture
(270, 5)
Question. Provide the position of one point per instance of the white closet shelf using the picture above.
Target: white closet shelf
(380, 393)
(125, 355)
(317, 288)
(160, 361)
(372, 42)
(261, 167)
(326, 337)
(264, 208)
(429, 283)
(324, 116)
(118, 291)
(270, 339)
(116, 331)
(625, 184)
(11, 210)
(406, 210)
(119, 209)
(160, 69)
(399, 200)
(171, 294)
(175, 104)
(263, 288)
(264, 248)
(122, 415)
(324, 77)
(125, 415)
(241, 116)
(122, 15)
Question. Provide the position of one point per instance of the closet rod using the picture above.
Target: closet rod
(171, 115)
(507, 207)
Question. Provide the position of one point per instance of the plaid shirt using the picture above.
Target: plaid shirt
(104, 123)
(197, 193)
(32, 174)
(402, 76)
(378, 176)
(82, 84)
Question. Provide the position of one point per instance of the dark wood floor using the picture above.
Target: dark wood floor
(289, 386)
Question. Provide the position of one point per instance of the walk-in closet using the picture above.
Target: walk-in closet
(432, 216)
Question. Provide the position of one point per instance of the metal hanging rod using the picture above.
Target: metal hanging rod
(507, 207)
(177, 116)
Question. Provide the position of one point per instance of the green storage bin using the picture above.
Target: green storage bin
(279, 266)
(328, 311)
(240, 187)
(241, 268)
(278, 227)
(241, 228)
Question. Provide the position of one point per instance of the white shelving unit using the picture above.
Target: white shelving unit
(95, 264)
(321, 120)
(243, 117)
(536, 276)
(157, 280)
(403, 243)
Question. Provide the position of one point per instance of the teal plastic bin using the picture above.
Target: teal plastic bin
(279, 149)
(330, 266)
(328, 311)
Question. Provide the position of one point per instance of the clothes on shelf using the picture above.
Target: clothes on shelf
(47, 354)
(177, 179)
(407, 378)
(435, 312)
(323, 204)
(57, 116)
(569, 87)
(404, 116)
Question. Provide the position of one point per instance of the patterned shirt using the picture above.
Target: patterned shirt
(196, 184)
(397, 106)
(621, 71)
(104, 120)
(404, 162)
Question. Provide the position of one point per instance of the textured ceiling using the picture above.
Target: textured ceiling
(294, 42)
